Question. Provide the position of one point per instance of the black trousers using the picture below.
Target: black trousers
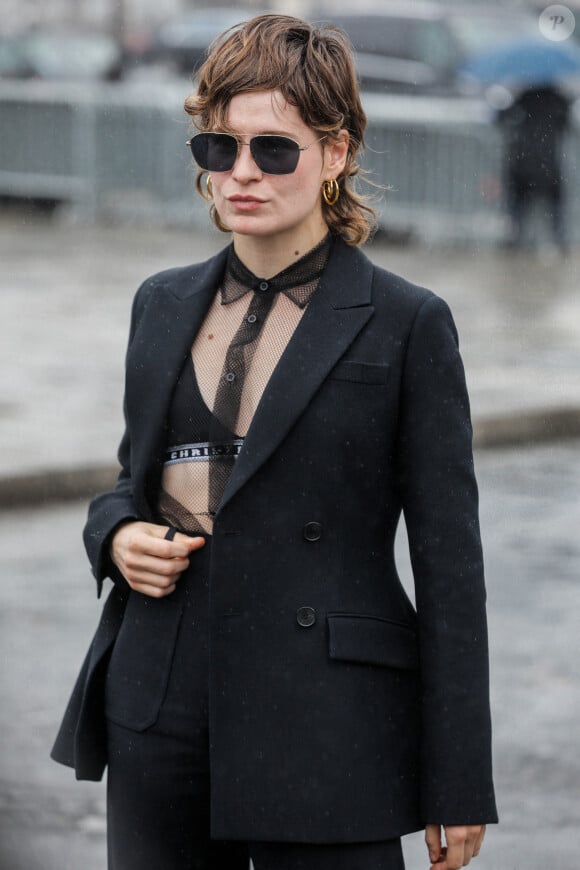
(158, 779)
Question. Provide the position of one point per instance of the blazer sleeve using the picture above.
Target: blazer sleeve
(109, 509)
(440, 503)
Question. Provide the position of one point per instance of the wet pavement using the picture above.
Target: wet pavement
(530, 521)
(65, 296)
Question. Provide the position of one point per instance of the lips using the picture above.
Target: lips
(243, 199)
(245, 203)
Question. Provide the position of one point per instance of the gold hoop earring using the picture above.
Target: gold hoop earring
(205, 190)
(330, 191)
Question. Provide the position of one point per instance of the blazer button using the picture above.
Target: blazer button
(306, 616)
(312, 531)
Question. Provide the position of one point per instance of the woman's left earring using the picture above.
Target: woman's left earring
(330, 191)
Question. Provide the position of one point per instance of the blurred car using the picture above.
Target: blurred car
(420, 47)
(51, 54)
(180, 45)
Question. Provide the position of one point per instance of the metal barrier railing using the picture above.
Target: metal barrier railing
(442, 162)
(119, 150)
(104, 149)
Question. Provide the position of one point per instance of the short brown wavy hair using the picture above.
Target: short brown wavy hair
(313, 67)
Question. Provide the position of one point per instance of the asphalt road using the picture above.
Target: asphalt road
(530, 520)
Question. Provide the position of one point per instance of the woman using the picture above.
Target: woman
(260, 685)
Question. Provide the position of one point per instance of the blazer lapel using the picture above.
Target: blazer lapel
(338, 311)
(162, 341)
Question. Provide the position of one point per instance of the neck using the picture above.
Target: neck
(266, 256)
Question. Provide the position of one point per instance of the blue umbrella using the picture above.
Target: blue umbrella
(525, 62)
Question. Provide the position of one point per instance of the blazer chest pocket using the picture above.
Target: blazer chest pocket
(360, 372)
(372, 640)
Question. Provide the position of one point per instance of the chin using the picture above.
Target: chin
(253, 228)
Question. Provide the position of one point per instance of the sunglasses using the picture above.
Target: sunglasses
(274, 155)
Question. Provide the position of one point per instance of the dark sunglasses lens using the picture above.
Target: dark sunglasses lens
(215, 152)
(275, 155)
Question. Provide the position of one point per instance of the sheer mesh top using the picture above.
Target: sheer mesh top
(243, 336)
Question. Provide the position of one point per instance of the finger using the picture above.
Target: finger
(151, 539)
(441, 863)
(170, 533)
(153, 591)
(157, 572)
(455, 856)
(479, 841)
(160, 573)
(433, 841)
(180, 547)
(467, 852)
(138, 564)
(472, 837)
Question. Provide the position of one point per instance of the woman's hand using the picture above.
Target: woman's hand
(463, 844)
(149, 563)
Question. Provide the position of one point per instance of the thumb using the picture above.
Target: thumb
(433, 842)
(192, 543)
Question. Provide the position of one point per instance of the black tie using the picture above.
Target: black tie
(228, 396)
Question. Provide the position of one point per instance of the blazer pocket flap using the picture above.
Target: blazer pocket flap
(372, 640)
(140, 663)
(360, 372)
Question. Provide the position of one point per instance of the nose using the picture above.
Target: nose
(245, 168)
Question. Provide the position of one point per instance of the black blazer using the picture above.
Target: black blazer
(338, 712)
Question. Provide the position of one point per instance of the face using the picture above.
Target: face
(253, 203)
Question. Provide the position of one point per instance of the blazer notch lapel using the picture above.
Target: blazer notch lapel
(195, 279)
(159, 349)
(347, 281)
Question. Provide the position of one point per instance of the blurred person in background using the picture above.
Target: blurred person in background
(260, 685)
(534, 125)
